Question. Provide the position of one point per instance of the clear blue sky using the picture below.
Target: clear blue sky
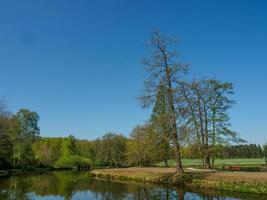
(77, 62)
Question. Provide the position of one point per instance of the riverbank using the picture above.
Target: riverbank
(245, 182)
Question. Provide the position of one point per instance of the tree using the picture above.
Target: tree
(5, 147)
(139, 144)
(23, 132)
(218, 105)
(86, 149)
(48, 150)
(5, 142)
(28, 124)
(111, 150)
(159, 121)
(163, 68)
(205, 105)
(68, 146)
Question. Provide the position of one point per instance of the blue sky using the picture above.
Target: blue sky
(77, 62)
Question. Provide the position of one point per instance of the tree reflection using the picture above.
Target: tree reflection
(79, 185)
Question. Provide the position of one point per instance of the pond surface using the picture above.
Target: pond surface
(79, 185)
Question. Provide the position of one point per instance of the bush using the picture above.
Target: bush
(251, 169)
(73, 161)
(101, 163)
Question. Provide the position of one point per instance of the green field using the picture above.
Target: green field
(218, 162)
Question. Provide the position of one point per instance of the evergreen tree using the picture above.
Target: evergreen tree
(161, 124)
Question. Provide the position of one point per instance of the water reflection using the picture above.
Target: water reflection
(79, 185)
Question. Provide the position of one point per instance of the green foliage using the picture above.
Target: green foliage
(86, 149)
(73, 161)
(265, 150)
(160, 123)
(242, 151)
(111, 150)
(191, 152)
(47, 150)
(147, 146)
(23, 131)
(68, 146)
(28, 124)
(5, 144)
(139, 147)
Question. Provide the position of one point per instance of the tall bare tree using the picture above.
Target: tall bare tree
(163, 68)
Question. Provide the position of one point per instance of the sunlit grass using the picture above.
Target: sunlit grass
(197, 162)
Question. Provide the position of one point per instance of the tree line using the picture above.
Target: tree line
(228, 151)
(22, 147)
(243, 151)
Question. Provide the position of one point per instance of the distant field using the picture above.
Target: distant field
(195, 162)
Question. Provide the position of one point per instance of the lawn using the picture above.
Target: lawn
(196, 162)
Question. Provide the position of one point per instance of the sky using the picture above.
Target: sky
(77, 63)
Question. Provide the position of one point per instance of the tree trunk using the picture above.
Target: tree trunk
(201, 127)
(207, 157)
(213, 137)
(207, 160)
(179, 166)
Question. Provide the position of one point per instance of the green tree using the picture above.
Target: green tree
(48, 150)
(160, 123)
(5, 143)
(139, 146)
(111, 150)
(28, 124)
(86, 149)
(147, 146)
(24, 130)
(68, 146)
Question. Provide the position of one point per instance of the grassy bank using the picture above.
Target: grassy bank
(245, 182)
(218, 162)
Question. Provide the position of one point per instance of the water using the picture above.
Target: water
(79, 185)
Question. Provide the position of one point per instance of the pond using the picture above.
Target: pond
(59, 185)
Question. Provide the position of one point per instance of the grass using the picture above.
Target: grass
(218, 162)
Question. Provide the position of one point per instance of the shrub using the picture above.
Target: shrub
(251, 169)
(73, 161)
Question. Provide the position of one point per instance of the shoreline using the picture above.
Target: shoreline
(243, 182)
(10, 172)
